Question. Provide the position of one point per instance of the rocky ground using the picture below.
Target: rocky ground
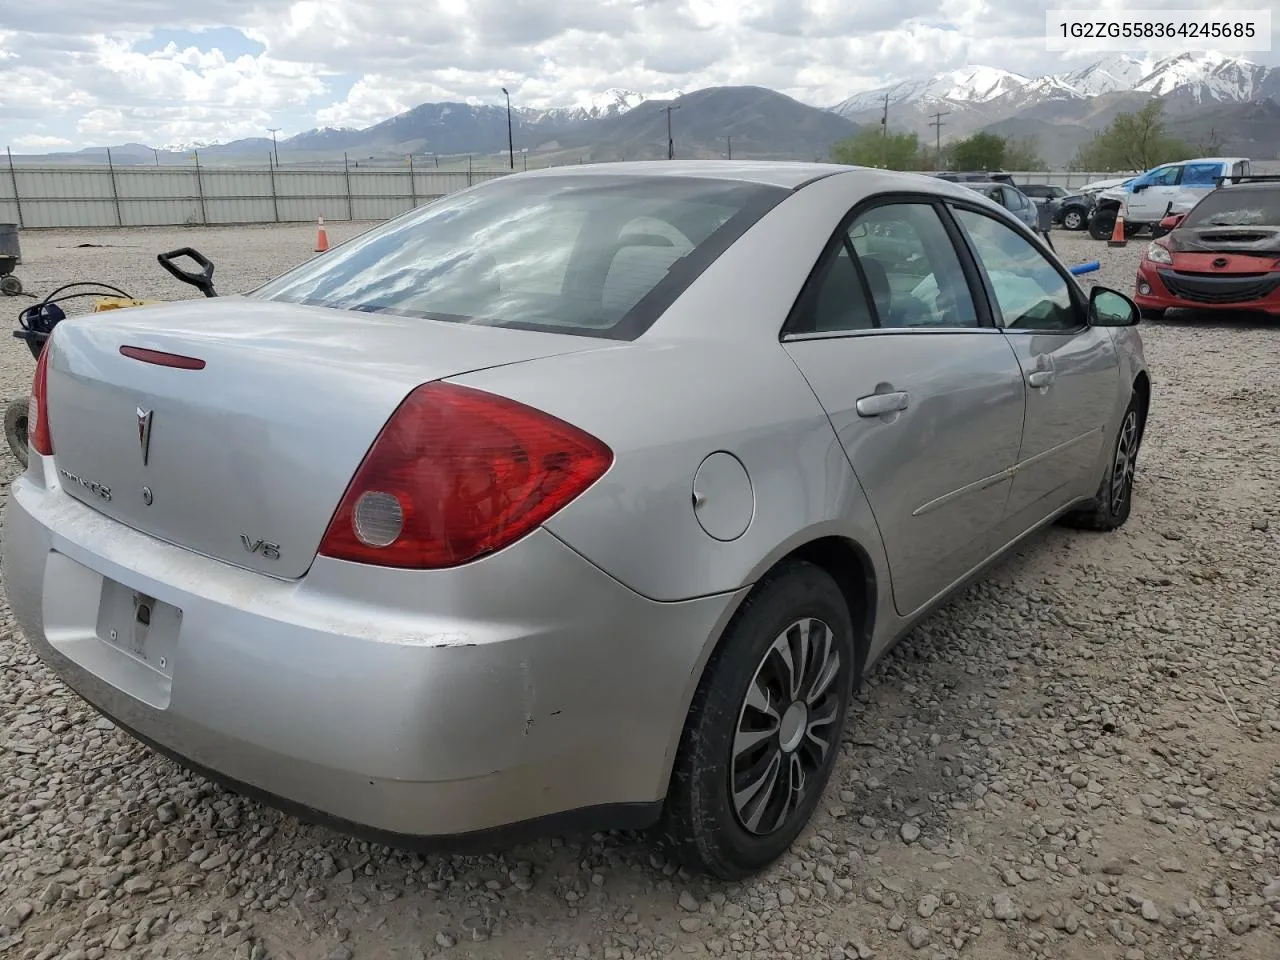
(1078, 759)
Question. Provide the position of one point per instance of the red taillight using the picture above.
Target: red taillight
(458, 473)
(38, 437)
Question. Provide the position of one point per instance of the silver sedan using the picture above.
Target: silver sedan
(583, 498)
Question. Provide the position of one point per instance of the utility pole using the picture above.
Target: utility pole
(511, 150)
(936, 123)
(884, 134)
(671, 144)
(729, 143)
(275, 150)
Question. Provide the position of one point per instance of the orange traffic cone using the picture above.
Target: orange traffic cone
(1117, 233)
(322, 238)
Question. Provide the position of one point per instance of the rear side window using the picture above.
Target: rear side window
(1201, 174)
(580, 254)
(911, 268)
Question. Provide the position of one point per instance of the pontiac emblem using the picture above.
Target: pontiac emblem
(144, 433)
(1220, 262)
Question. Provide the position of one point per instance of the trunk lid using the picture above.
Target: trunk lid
(247, 458)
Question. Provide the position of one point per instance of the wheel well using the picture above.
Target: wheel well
(1107, 205)
(850, 567)
(1142, 390)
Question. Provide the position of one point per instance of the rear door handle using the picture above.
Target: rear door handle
(879, 404)
(1040, 378)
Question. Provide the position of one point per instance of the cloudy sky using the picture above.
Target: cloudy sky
(75, 73)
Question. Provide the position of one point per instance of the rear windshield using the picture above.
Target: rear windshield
(1237, 208)
(580, 254)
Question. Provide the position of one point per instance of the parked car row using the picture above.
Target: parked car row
(1144, 200)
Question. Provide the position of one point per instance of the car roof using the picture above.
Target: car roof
(781, 173)
(778, 173)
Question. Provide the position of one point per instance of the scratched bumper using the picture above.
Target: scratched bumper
(522, 686)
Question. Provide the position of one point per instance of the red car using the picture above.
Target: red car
(1222, 255)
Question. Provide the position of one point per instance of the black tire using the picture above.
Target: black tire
(701, 824)
(15, 429)
(1073, 220)
(1151, 313)
(1101, 224)
(10, 286)
(1114, 501)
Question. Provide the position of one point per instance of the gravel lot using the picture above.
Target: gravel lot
(1079, 759)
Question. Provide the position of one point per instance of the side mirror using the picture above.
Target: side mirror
(1110, 308)
(1171, 222)
(1139, 187)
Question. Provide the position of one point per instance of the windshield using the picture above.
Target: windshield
(580, 254)
(1237, 208)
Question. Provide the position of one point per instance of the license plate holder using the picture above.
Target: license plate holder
(139, 626)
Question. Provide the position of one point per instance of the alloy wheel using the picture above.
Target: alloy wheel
(1126, 455)
(786, 726)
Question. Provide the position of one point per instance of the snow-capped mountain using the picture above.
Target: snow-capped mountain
(611, 103)
(1205, 76)
(965, 85)
(1198, 77)
(1108, 75)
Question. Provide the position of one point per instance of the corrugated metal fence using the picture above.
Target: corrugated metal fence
(136, 196)
(96, 196)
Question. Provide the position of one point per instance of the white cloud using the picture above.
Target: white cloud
(40, 141)
(88, 72)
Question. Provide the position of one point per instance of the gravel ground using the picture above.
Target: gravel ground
(1078, 759)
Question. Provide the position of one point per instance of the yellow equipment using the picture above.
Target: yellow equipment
(118, 303)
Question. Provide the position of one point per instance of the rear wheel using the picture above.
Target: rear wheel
(15, 429)
(1114, 501)
(764, 728)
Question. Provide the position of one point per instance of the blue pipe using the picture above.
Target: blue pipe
(1086, 268)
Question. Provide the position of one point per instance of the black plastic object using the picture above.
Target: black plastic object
(38, 320)
(202, 280)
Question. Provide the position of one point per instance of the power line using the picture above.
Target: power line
(936, 123)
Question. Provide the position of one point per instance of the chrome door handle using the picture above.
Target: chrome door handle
(1040, 378)
(879, 404)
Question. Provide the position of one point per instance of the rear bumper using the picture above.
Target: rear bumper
(1152, 293)
(523, 690)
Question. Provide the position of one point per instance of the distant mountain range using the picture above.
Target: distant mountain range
(1215, 103)
(1212, 101)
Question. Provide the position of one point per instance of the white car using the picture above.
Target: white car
(1170, 188)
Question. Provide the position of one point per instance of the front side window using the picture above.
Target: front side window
(1164, 177)
(587, 254)
(1030, 293)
